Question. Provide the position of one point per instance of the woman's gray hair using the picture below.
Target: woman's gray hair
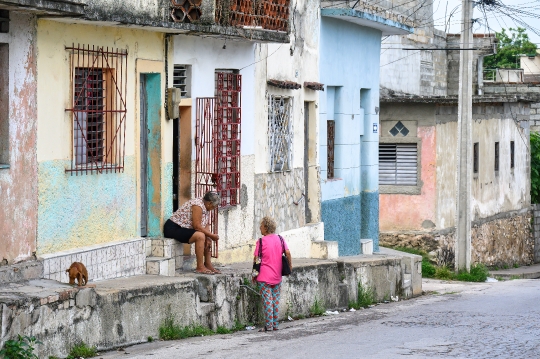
(212, 197)
(269, 223)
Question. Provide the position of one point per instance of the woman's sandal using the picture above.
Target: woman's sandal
(208, 271)
(265, 329)
(215, 271)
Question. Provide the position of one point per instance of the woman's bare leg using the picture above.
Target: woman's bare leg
(199, 239)
(208, 253)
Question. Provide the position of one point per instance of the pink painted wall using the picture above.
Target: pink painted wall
(18, 184)
(401, 212)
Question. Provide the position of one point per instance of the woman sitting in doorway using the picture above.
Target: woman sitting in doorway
(191, 224)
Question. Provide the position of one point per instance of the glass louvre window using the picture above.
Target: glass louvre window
(398, 164)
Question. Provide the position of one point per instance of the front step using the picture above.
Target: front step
(160, 266)
(189, 263)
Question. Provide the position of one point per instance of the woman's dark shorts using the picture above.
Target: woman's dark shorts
(173, 230)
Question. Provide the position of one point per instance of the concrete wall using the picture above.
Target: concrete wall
(123, 312)
(350, 201)
(76, 211)
(18, 168)
(500, 200)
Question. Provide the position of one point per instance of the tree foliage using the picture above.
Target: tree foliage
(509, 46)
(535, 167)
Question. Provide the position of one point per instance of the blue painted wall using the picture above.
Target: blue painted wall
(78, 211)
(349, 67)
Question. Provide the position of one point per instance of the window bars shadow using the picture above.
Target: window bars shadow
(98, 77)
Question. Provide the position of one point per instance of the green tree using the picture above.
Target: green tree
(535, 167)
(509, 46)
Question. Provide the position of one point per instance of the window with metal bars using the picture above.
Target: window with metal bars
(99, 110)
(496, 156)
(280, 133)
(476, 157)
(512, 154)
(227, 139)
(330, 142)
(398, 164)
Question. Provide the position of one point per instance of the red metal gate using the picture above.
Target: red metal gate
(228, 135)
(217, 144)
(205, 164)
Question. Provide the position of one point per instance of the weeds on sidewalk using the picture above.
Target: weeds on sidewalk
(20, 348)
(169, 330)
(365, 298)
(478, 272)
(317, 308)
(82, 350)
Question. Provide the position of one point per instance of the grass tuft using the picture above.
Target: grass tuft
(365, 298)
(317, 308)
(82, 350)
(169, 330)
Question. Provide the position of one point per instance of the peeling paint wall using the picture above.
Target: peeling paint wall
(82, 210)
(18, 183)
(410, 211)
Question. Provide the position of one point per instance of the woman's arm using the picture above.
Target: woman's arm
(196, 215)
(289, 258)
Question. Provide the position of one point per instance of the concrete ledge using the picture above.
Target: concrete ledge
(126, 311)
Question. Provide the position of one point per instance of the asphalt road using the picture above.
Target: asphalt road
(487, 320)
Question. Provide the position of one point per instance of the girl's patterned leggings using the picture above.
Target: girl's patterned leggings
(270, 296)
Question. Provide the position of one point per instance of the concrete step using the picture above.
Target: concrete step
(160, 266)
(324, 250)
(189, 263)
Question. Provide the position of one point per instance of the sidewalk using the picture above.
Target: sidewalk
(526, 272)
(125, 311)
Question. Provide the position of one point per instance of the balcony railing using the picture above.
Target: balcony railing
(503, 75)
(256, 14)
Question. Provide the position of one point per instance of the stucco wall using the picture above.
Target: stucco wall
(412, 211)
(18, 183)
(509, 190)
(82, 210)
(530, 66)
(350, 207)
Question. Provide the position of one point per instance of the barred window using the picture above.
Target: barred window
(228, 119)
(280, 133)
(99, 109)
(330, 141)
(398, 164)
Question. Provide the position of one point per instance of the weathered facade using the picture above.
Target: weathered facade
(349, 120)
(418, 165)
(18, 125)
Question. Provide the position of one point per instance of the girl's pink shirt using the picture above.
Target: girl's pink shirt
(270, 272)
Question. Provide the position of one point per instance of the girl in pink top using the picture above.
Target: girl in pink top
(269, 277)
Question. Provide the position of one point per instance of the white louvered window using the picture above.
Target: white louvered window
(398, 164)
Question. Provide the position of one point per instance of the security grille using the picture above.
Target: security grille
(228, 136)
(496, 156)
(398, 164)
(512, 154)
(330, 141)
(280, 133)
(99, 78)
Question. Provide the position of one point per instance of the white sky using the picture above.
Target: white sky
(495, 21)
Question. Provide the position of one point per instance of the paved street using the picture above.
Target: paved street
(458, 320)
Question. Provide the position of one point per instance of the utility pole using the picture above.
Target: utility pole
(464, 151)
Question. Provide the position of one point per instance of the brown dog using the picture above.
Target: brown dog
(77, 271)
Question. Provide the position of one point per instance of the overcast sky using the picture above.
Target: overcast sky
(495, 21)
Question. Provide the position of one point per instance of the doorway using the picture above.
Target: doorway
(150, 154)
